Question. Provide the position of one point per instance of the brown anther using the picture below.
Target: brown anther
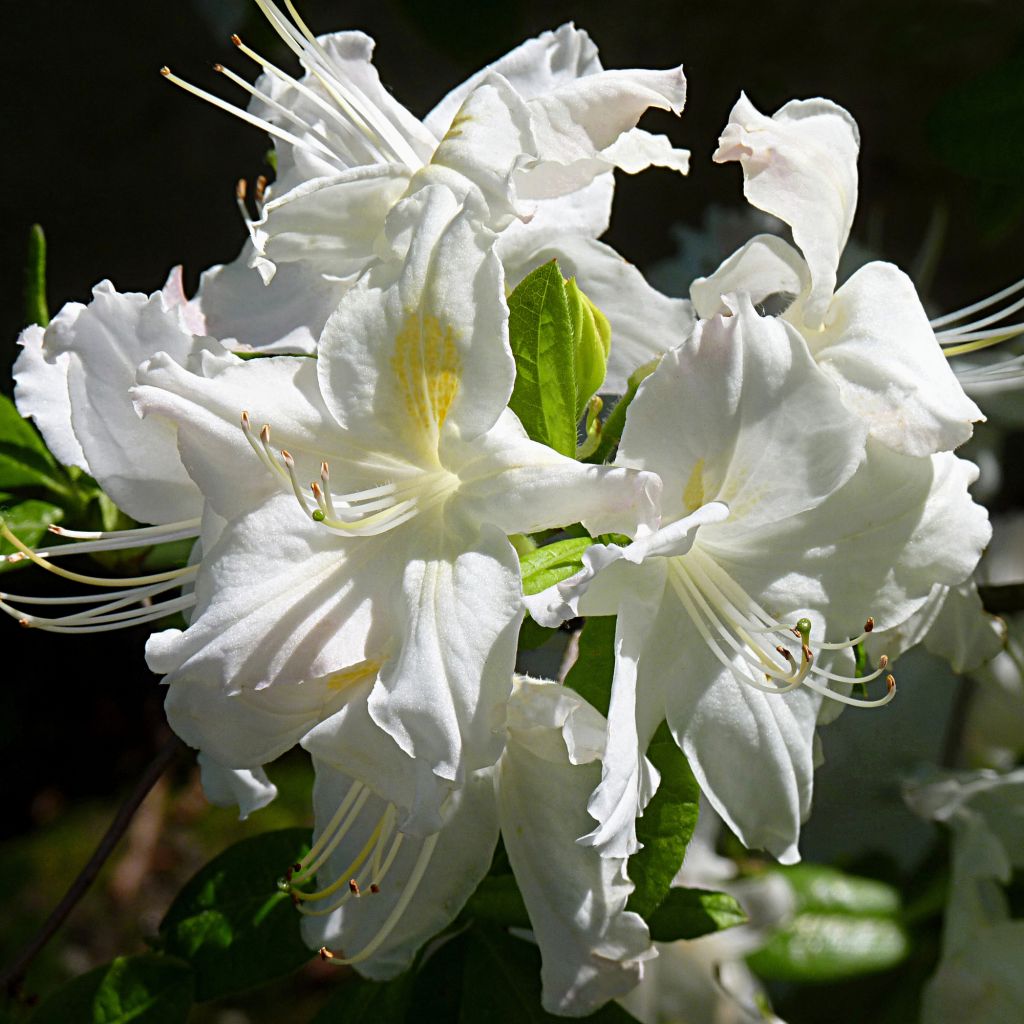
(24, 622)
(219, 68)
(165, 71)
(325, 471)
(265, 434)
(18, 556)
(890, 683)
(883, 661)
(796, 632)
(261, 187)
(287, 456)
(869, 625)
(315, 488)
(59, 530)
(808, 655)
(784, 652)
(326, 954)
(241, 189)
(353, 887)
(236, 39)
(374, 888)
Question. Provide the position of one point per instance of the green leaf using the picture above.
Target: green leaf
(24, 460)
(613, 426)
(591, 673)
(232, 923)
(501, 983)
(830, 947)
(359, 1001)
(532, 635)
(146, 989)
(691, 913)
(546, 566)
(665, 827)
(498, 899)
(819, 888)
(541, 334)
(28, 521)
(36, 310)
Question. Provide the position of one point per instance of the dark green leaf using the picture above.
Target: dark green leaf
(829, 947)
(532, 635)
(546, 566)
(232, 923)
(501, 983)
(24, 460)
(36, 310)
(359, 1001)
(822, 889)
(541, 335)
(665, 827)
(146, 989)
(437, 986)
(497, 898)
(690, 913)
(591, 674)
(28, 521)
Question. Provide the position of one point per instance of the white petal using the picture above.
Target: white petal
(286, 315)
(429, 353)
(134, 461)
(458, 614)
(533, 68)
(226, 787)
(734, 415)
(41, 390)
(964, 633)
(636, 150)
(800, 165)
(591, 947)
(878, 347)
(765, 266)
(459, 860)
(644, 322)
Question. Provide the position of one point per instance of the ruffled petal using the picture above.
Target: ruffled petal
(227, 787)
(591, 947)
(800, 165)
(879, 348)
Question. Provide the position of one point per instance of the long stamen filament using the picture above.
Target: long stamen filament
(975, 307)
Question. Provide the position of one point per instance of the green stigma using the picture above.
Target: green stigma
(803, 627)
(318, 515)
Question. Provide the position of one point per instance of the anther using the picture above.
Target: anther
(219, 68)
(326, 954)
(236, 39)
(265, 433)
(353, 887)
(374, 888)
(785, 653)
(890, 683)
(808, 655)
(261, 187)
(240, 190)
(883, 661)
(869, 625)
(165, 71)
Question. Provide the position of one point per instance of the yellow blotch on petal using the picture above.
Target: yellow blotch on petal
(693, 492)
(428, 368)
(347, 677)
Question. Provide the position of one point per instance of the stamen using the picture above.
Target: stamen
(975, 307)
(289, 463)
(138, 531)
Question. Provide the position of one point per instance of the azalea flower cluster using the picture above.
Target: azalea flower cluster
(328, 421)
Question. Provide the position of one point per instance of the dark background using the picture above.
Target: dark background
(129, 176)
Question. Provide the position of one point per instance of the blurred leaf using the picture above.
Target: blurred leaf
(824, 889)
(24, 460)
(666, 826)
(532, 635)
(28, 521)
(546, 566)
(542, 338)
(146, 989)
(437, 985)
(691, 913)
(232, 923)
(978, 127)
(497, 898)
(501, 983)
(36, 310)
(359, 1001)
(591, 673)
(829, 947)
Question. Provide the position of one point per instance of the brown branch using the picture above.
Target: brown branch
(12, 976)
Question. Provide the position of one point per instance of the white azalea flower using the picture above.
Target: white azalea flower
(872, 336)
(537, 134)
(979, 977)
(775, 525)
(393, 565)
(386, 891)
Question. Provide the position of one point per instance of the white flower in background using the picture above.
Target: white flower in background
(393, 565)
(979, 977)
(385, 892)
(537, 134)
(872, 336)
(778, 530)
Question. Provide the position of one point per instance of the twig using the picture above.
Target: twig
(13, 975)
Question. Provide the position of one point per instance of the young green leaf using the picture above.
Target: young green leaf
(541, 334)
(665, 827)
(28, 521)
(691, 913)
(146, 989)
(591, 673)
(232, 923)
(36, 309)
(501, 983)
(546, 566)
(359, 1001)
